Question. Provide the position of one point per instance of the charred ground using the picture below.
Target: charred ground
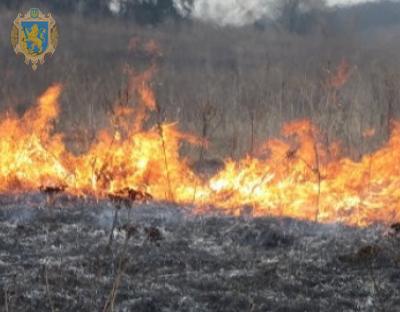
(77, 255)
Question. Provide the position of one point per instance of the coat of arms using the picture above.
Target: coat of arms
(34, 35)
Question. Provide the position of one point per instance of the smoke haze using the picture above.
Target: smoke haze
(232, 12)
(237, 12)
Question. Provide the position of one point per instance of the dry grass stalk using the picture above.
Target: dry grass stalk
(109, 305)
(48, 293)
(170, 196)
(6, 300)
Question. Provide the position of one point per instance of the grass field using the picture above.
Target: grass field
(234, 86)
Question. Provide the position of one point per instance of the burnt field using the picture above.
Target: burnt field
(74, 254)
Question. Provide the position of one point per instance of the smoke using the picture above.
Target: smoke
(231, 12)
(238, 12)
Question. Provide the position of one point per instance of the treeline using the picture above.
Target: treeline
(142, 11)
(294, 16)
(310, 16)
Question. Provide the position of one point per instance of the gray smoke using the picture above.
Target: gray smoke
(239, 12)
(232, 12)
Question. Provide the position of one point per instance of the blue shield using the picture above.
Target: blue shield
(35, 36)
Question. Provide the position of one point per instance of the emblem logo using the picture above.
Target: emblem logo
(34, 35)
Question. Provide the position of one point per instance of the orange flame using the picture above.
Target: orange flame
(368, 133)
(300, 178)
(341, 75)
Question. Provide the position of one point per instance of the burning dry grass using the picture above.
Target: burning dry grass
(298, 176)
(252, 81)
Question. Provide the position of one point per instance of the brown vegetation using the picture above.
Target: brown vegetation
(233, 86)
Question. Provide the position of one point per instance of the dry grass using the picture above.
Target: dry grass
(253, 80)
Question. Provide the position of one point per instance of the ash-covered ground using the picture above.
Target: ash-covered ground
(78, 255)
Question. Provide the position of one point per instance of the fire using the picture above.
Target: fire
(28, 153)
(295, 176)
(309, 182)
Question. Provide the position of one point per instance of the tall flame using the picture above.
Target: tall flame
(297, 176)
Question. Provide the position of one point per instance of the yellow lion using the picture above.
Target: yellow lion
(35, 38)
